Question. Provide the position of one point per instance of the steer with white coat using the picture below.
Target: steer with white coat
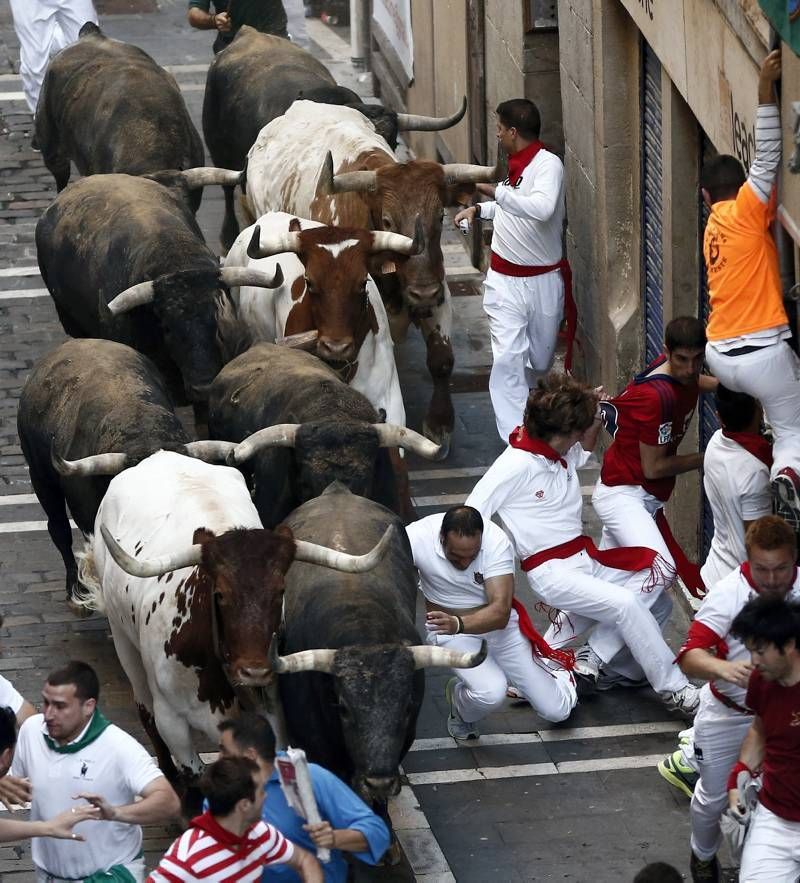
(193, 606)
(361, 184)
(326, 289)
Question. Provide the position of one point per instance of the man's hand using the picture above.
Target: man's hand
(770, 72)
(61, 826)
(440, 622)
(107, 812)
(322, 835)
(469, 213)
(486, 189)
(14, 791)
(222, 22)
(737, 673)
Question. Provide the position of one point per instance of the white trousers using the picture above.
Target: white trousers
(524, 315)
(716, 745)
(597, 594)
(772, 849)
(551, 692)
(43, 28)
(772, 375)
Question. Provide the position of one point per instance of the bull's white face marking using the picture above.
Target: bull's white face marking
(336, 248)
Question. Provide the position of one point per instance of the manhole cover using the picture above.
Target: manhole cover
(124, 7)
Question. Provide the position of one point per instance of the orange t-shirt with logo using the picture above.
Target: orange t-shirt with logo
(744, 282)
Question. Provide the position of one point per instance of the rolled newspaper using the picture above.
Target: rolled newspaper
(298, 791)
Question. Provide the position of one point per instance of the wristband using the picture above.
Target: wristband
(738, 767)
(460, 629)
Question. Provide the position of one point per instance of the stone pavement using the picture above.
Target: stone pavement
(531, 801)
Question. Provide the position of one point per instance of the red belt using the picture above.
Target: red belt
(630, 558)
(506, 268)
(727, 701)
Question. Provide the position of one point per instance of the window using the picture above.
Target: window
(541, 15)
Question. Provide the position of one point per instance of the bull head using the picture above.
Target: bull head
(311, 553)
(390, 435)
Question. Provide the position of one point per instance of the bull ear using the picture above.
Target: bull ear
(294, 226)
(202, 535)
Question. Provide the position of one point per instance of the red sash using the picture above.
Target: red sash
(566, 658)
(629, 558)
(687, 570)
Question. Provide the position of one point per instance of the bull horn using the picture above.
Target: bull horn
(382, 240)
(282, 435)
(345, 182)
(154, 566)
(466, 173)
(412, 122)
(204, 175)
(427, 657)
(135, 296)
(314, 554)
(391, 435)
(97, 464)
(305, 660)
(209, 451)
(283, 242)
(235, 277)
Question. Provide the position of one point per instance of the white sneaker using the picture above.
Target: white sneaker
(685, 700)
(587, 668)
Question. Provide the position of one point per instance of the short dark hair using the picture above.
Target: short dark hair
(227, 781)
(768, 620)
(8, 728)
(522, 115)
(462, 520)
(770, 532)
(81, 675)
(722, 177)
(559, 405)
(251, 730)
(736, 409)
(658, 872)
(685, 332)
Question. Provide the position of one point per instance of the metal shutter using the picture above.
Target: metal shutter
(651, 187)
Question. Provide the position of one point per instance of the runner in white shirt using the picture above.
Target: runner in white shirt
(736, 480)
(534, 487)
(466, 571)
(712, 653)
(71, 752)
(13, 790)
(524, 290)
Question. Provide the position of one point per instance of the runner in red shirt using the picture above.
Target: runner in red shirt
(770, 629)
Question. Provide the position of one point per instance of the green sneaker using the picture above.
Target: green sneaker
(458, 728)
(678, 773)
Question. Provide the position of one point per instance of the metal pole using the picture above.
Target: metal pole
(359, 34)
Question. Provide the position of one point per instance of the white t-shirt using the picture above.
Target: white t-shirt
(737, 487)
(528, 219)
(444, 584)
(115, 765)
(538, 499)
(717, 612)
(9, 697)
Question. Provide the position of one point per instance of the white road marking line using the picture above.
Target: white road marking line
(18, 499)
(12, 96)
(24, 293)
(172, 68)
(515, 771)
(458, 499)
(30, 270)
(413, 830)
(28, 526)
(556, 735)
(431, 474)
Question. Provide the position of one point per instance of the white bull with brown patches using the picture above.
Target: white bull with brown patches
(361, 184)
(327, 288)
(193, 606)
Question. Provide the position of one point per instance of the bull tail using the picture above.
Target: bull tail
(89, 592)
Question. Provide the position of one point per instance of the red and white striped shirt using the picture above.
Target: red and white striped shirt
(207, 851)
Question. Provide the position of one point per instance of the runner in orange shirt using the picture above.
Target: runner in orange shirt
(748, 328)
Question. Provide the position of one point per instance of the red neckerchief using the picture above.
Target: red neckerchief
(518, 161)
(754, 444)
(240, 845)
(745, 571)
(519, 438)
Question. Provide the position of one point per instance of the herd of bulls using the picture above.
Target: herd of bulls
(285, 518)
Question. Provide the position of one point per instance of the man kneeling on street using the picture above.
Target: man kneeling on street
(466, 573)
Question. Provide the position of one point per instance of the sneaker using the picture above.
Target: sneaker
(678, 773)
(687, 699)
(786, 496)
(587, 668)
(458, 728)
(611, 680)
(704, 870)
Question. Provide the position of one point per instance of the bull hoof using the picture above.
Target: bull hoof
(78, 609)
(440, 437)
